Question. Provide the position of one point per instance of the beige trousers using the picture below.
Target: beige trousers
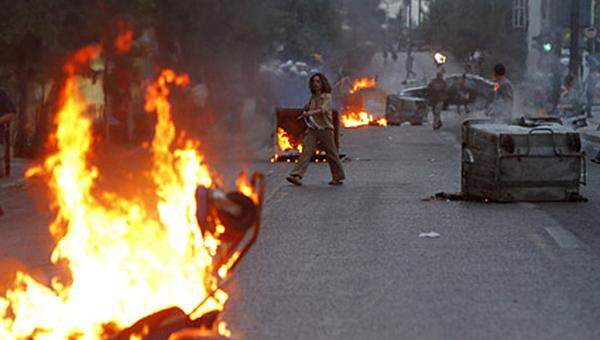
(326, 141)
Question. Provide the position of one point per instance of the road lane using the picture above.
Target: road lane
(348, 263)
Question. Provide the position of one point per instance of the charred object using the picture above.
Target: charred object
(241, 217)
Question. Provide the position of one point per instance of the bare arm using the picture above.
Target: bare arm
(7, 118)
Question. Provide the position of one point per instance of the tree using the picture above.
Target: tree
(462, 26)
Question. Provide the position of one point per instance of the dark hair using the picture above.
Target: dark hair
(499, 70)
(326, 88)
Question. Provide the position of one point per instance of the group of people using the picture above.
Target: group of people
(438, 94)
(575, 99)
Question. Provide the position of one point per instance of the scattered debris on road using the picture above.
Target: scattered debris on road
(431, 234)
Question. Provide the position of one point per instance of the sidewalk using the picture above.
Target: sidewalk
(17, 173)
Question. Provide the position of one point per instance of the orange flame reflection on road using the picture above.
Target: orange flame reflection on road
(127, 258)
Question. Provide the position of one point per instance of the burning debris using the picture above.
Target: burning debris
(357, 114)
(288, 136)
(136, 269)
(354, 120)
(363, 84)
(287, 143)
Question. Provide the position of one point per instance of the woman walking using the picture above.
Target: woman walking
(319, 119)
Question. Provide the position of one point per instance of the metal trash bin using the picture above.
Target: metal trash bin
(287, 120)
(542, 161)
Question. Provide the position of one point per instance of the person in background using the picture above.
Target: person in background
(462, 94)
(394, 53)
(477, 61)
(7, 114)
(319, 119)
(437, 94)
(570, 97)
(503, 102)
(410, 60)
(341, 89)
(591, 83)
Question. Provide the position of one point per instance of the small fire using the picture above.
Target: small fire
(124, 42)
(354, 120)
(363, 84)
(246, 188)
(285, 143)
(127, 258)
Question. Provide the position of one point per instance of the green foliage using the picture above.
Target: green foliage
(461, 26)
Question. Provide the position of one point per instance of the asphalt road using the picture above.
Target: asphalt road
(348, 263)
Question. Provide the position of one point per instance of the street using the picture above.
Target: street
(348, 263)
(158, 140)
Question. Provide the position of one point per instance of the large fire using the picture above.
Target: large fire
(362, 118)
(363, 84)
(127, 258)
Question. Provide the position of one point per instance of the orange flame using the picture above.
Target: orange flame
(358, 119)
(285, 143)
(127, 258)
(124, 42)
(246, 188)
(363, 84)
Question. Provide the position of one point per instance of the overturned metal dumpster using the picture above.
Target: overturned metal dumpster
(531, 161)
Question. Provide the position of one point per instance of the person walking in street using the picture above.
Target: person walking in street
(437, 94)
(319, 119)
(597, 158)
(410, 60)
(502, 104)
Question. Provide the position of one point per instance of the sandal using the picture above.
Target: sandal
(295, 180)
